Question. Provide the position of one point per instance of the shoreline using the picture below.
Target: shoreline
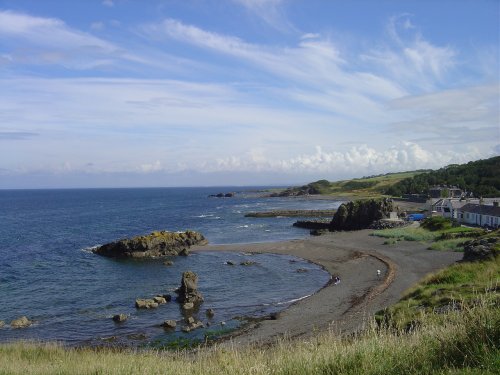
(343, 308)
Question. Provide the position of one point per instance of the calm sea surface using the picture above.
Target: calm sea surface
(48, 273)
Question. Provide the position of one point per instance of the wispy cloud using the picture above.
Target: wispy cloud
(16, 136)
(51, 41)
(271, 12)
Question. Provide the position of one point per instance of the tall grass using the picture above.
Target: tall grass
(407, 234)
(468, 342)
(455, 244)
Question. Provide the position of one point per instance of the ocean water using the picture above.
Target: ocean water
(49, 274)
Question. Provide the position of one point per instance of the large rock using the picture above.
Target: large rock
(360, 214)
(156, 244)
(188, 291)
(21, 322)
(481, 249)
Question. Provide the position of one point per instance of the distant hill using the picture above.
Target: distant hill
(481, 177)
(366, 187)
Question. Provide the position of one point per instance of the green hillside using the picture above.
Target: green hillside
(481, 177)
(365, 187)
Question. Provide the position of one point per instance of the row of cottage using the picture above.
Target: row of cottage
(470, 211)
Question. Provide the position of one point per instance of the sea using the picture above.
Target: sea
(49, 273)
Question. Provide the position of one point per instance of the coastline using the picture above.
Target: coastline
(343, 308)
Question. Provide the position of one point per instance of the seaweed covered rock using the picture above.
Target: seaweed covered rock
(21, 322)
(360, 214)
(188, 292)
(156, 244)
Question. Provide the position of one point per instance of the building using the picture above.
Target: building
(448, 207)
(480, 215)
(445, 192)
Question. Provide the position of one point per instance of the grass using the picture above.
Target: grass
(411, 337)
(466, 343)
(407, 234)
(460, 286)
(447, 239)
(455, 244)
(365, 187)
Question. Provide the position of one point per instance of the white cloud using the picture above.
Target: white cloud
(51, 41)
(357, 161)
(271, 12)
(108, 3)
(411, 59)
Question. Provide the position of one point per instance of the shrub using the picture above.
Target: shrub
(436, 223)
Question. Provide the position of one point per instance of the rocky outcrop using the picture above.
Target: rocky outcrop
(141, 303)
(360, 214)
(169, 324)
(481, 249)
(188, 292)
(2, 323)
(312, 224)
(388, 224)
(222, 195)
(156, 244)
(119, 318)
(21, 322)
(292, 213)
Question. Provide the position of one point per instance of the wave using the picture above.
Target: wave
(90, 249)
(204, 215)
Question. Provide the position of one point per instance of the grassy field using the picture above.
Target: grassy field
(444, 237)
(366, 187)
(447, 324)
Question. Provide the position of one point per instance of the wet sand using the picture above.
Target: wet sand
(355, 257)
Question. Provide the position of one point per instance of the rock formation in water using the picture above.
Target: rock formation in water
(188, 293)
(21, 322)
(360, 214)
(156, 244)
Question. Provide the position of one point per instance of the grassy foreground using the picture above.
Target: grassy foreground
(463, 340)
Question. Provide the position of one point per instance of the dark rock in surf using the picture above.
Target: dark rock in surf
(156, 244)
(119, 318)
(169, 324)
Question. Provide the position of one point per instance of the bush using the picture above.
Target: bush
(436, 223)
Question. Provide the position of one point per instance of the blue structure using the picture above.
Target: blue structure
(415, 217)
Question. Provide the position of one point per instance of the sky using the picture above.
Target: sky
(128, 93)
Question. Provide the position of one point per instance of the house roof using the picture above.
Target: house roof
(481, 209)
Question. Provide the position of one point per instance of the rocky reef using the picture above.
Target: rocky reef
(156, 244)
(360, 214)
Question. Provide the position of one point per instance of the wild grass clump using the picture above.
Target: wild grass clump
(407, 234)
(455, 244)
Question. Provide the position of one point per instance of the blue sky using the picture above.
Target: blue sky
(237, 92)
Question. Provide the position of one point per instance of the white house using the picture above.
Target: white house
(448, 207)
(480, 214)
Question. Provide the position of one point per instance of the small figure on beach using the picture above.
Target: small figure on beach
(378, 273)
(336, 280)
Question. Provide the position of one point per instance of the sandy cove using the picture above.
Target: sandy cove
(355, 257)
